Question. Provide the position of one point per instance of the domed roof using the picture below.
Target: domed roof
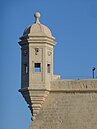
(38, 29)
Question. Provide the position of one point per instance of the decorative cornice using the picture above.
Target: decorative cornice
(36, 39)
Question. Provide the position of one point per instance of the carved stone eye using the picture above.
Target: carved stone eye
(36, 51)
(49, 53)
(25, 52)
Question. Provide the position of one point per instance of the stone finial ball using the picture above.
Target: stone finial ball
(37, 15)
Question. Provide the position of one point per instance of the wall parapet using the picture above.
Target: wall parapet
(89, 85)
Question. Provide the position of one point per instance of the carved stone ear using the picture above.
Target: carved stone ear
(49, 53)
(36, 51)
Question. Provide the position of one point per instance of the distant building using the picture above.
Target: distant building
(54, 103)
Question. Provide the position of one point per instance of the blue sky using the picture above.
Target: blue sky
(73, 24)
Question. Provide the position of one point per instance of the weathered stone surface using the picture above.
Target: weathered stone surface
(63, 110)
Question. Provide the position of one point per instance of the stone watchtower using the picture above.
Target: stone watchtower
(37, 64)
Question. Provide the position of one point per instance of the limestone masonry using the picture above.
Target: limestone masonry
(54, 103)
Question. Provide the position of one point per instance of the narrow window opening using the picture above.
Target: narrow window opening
(25, 68)
(48, 68)
(37, 67)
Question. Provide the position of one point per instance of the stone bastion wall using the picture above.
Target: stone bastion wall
(70, 104)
